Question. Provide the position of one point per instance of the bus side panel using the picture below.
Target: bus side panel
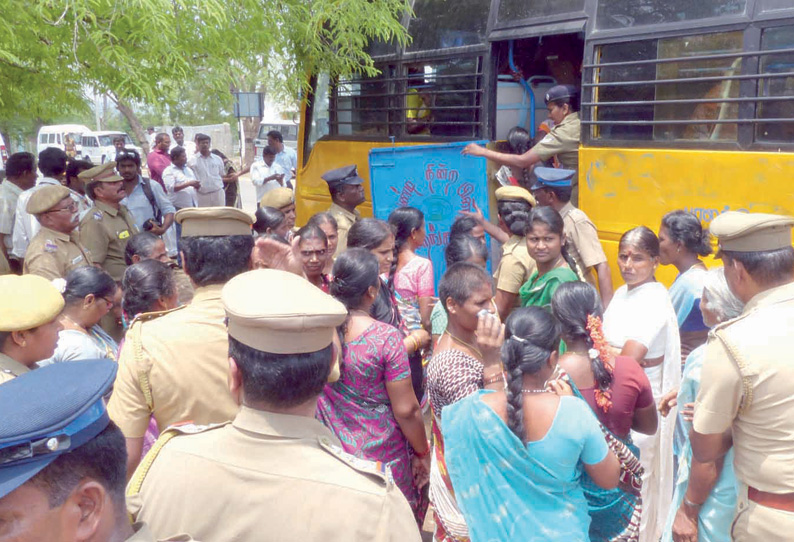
(623, 188)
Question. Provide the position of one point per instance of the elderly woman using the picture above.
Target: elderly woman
(640, 322)
(705, 493)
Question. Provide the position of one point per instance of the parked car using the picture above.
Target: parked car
(98, 146)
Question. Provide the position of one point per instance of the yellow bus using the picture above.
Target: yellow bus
(685, 104)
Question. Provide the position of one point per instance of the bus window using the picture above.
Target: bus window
(318, 127)
(438, 25)
(628, 13)
(781, 37)
(360, 105)
(774, 5)
(514, 10)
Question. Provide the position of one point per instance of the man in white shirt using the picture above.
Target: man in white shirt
(178, 140)
(180, 181)
(286, 157)
(209, 172)
(267, 175)
(20, 176)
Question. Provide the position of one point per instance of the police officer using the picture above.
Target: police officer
(275, 468)
(553, 189)
(105, 228)
(562, 142)
(173, 365)
(745, 396)
(61, 460)
(28, 323)
(283, 199)
(513, 204)
(347, 193)
(54, 250)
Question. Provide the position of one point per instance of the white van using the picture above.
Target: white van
(66, 137)
(98, 146)
(288, 129)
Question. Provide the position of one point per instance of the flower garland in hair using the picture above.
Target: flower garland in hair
(600, 349)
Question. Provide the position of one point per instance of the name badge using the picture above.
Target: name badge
(49, 246)
(124, 235)
(77, 259)
(97, 215)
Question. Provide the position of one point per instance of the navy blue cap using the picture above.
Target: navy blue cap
(48, 412)
(552, 177)
(343, 175)
(561, 92)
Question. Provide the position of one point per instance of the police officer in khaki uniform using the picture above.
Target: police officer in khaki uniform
(28, 323)
(347, 193)
(62, 473)
(746, 398)
(54, 250)
(561, 143)
(279, 471)
(174, 365)
(283, 199)
(516, 265)
(553, 189)
(107, 226)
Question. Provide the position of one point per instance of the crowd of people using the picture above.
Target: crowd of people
(253, 377)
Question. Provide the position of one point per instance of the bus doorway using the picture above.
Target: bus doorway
(526, 68)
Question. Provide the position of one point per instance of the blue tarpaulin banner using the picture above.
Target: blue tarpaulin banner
(435, 179)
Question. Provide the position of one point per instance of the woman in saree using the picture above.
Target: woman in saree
(640, 323)
(546, 245)
(619, 394)
(517, 456)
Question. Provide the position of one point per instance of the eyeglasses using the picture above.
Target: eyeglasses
(72, 207)
(109, 302)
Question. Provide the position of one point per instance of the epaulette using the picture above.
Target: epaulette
(149, 316)
(374, 468)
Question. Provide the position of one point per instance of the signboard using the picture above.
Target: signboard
(435, 179)
(249, 104)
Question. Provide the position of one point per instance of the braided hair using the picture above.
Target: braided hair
(552, 219)
(531, 337)
(515, 214)
(405, 221)
(354, 271)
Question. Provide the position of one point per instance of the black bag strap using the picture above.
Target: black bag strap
(147, 190)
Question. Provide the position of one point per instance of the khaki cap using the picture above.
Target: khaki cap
(751, 232)
(280, 313)
(278, 198)
(29, 301)
(214, 221)
(47, 197)
(515, 193)
(101, 174)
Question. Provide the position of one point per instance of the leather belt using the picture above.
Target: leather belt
(778, 501)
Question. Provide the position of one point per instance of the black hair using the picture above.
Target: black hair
(551, 218)
(531, 337)
(519, 140)
(275, 134)
(216, 260)
(103, 459)
(563, 193)
(643, 238)
(355, 270)
(572, 100)
(462, 225)
(177, 151)
(85, 280)
(311, 231)
(281, 380)
(572, 304)
(160, 137)
(460, 280)
(202, 137)
(515, 213)
(118, 137)
(141, 244)
(324, 217)
(128, 154)
(176, 129)
(685, 228)
(216, 152)
(335, 189)
(370, 233)
(52, 162)
(20, 163)
(268, 150)
(267, 217)
(767, 268)
(143, 284)
(404, 221)
(75, 167)
(463, 247)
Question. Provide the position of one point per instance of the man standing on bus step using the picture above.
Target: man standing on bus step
(562, 142)
(745, 399)
(20, 176)
(347, 193)
(210, 171)
(553, 189)
(286, 157)
(159, 159)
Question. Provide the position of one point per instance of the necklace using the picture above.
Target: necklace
(542, 390)
(81, 328)
(359, 311)
(464, 343)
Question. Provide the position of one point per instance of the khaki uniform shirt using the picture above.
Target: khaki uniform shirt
(563, 142)
(52, 254)
(175, 365)
(750, 390)
(344, 221)
(143, 534)
(515, 267)
(582, 241)
(104, 231)
(281, 477)
(10, 368)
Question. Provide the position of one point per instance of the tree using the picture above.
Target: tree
(146, 51)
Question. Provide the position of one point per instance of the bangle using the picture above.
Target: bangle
(691, 504)
(416, 343)
(494, 379)
(424, 454)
